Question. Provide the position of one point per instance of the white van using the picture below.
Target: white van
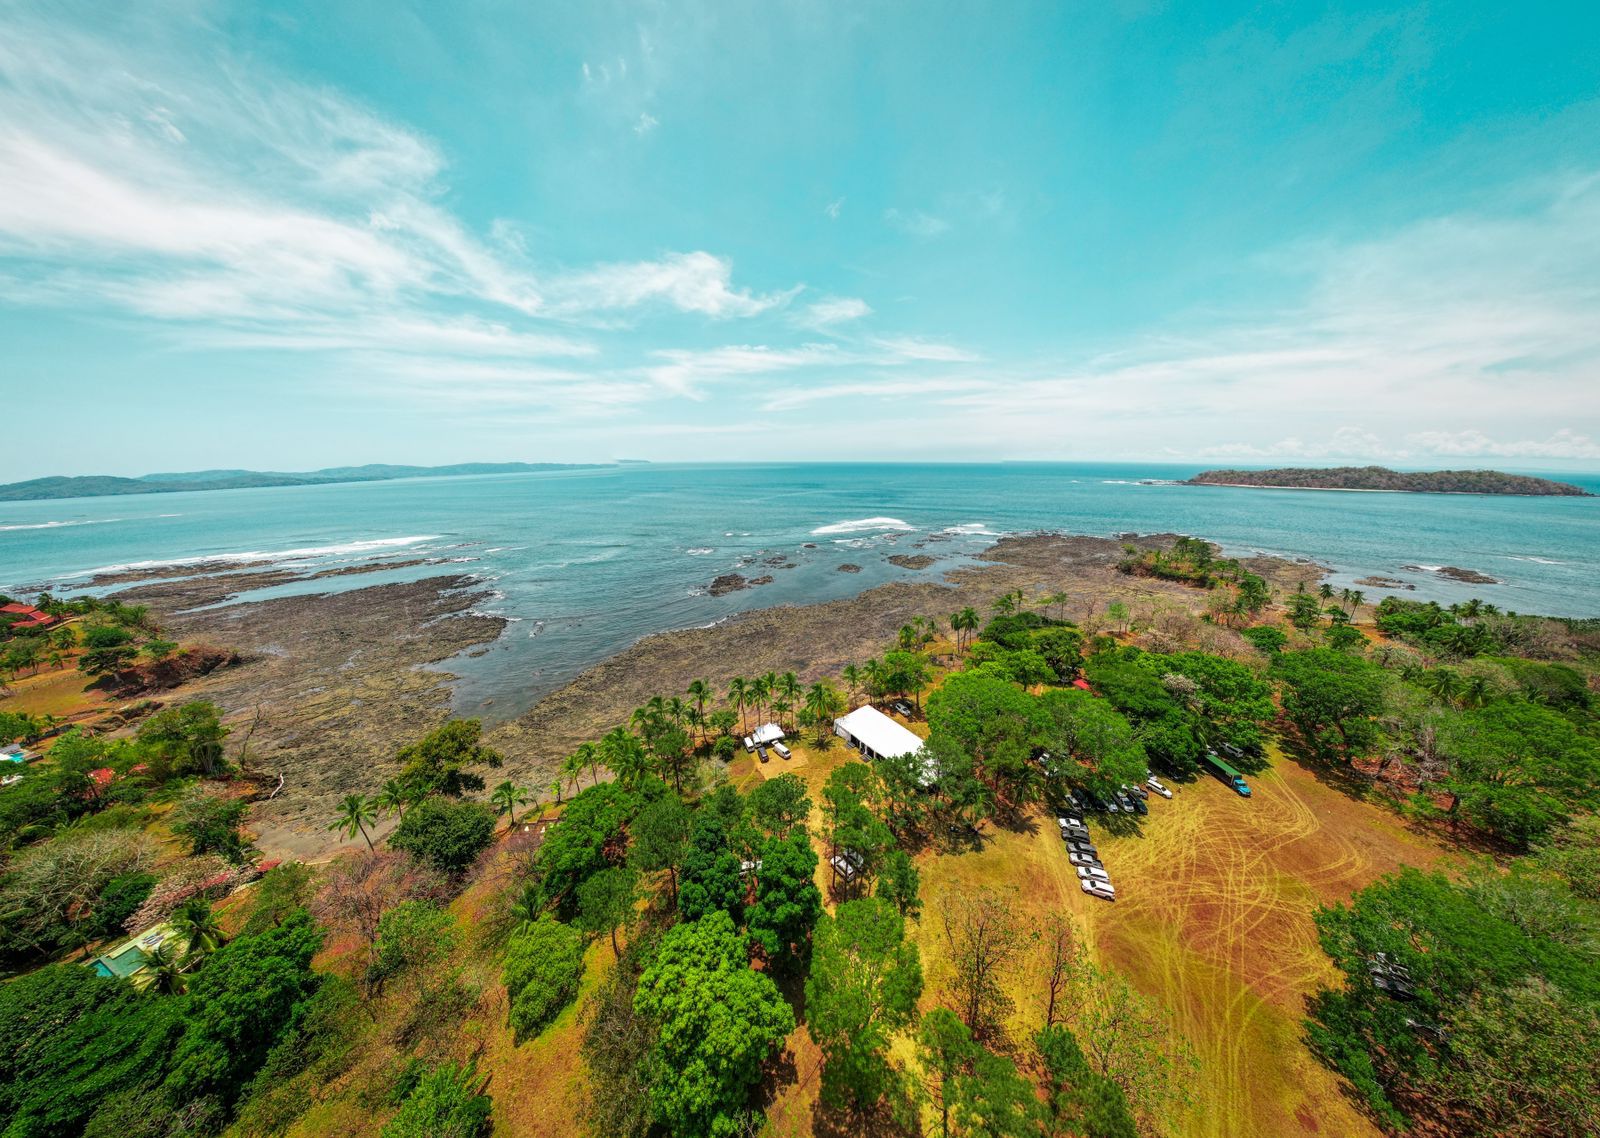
(783, 752)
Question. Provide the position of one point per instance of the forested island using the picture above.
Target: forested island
(104, 485)
(1382, 478)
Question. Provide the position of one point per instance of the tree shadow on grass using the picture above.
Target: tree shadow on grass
(879, 1122)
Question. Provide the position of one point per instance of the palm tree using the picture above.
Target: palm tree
(964, 623)
(393, 797)
(701, 693)
(1325, 591)
(789, 687)
(722, 720)
(624, 755)
(506, 798)
(822, 704)
(852, 679)
(572, 769)
(875, 674)
(1004, 605)
(765, 687)
(1442, 683)
(676, 709)
(907, 638)
(738, 693)
(781, 708)
(588, 756)
(162, 970)
(1476, 691)
(1059, 599)
(195, 928)
(356, 812)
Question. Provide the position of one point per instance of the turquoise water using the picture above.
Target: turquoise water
(586, 562)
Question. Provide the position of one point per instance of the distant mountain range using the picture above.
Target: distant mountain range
(1382, 478)
(103, 485)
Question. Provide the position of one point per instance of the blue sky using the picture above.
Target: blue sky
(285, 236)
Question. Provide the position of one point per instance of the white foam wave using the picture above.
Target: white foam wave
(863, 525)
(1535, 560)
(974, 529)
(699, 551)
(372, 546)
(61, 525)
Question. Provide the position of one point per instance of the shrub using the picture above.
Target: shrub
(442, 1104)
(542, 970)
(445, 834)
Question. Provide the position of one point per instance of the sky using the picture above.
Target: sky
(284, 236)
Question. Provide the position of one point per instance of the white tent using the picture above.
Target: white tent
(761, 736)
(877, 736)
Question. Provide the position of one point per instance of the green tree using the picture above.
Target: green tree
(984, 940)
(1078, 1100)
(863, 988)
(624, 754)
(394, 797)
(964, 624)
(187, 739)
(542, 970)
(719, 1021)
(1089, 742)
(992, 721)
(778, 805)
(660, 839)
(606, 902)
(900, 884)
(444, 760)
(945, 1049)
(787, 901)
(356, 813)
(239, 1002)
(1332, 698)
(445, 834)
(210, 823)
(1304, 611)
(1518, 769)
(590, 837)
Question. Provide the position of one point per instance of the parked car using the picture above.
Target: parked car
(1099, 889)
(901, 707)
(1231, 751)
(783, 752)
(1136, 791)
(1124, 801)
(1094, 873)
(762, 751)
(1078, 799)
(1083, 861)
(1083, 848)
(1138, 804)
(1065, 820)
(1103, 805)
(1156, 785)
(749, 744)
(1079, 832)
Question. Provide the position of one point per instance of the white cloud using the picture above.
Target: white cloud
(691, 282)
(1475, 444)
(832, 208)
(647, 123)
(916, 222)
(831, 310)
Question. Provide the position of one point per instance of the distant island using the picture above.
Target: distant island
(1382, 478)
(104, 485)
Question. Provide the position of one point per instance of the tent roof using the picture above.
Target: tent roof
(882, 734)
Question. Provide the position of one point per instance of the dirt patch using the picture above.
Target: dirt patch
(911, 560)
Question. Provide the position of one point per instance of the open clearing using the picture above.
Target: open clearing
(1213, 921)
(1213, 918)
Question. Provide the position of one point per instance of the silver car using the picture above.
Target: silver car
(1098, 889)
(1094, 873)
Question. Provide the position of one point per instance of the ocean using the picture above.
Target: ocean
(584, 562)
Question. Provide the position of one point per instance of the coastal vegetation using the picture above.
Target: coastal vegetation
(680, 932)
(1382, 478)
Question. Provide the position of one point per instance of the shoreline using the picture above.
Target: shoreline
(342, 680)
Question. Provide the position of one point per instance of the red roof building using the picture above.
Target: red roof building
(27, 616)
(1082, 685)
